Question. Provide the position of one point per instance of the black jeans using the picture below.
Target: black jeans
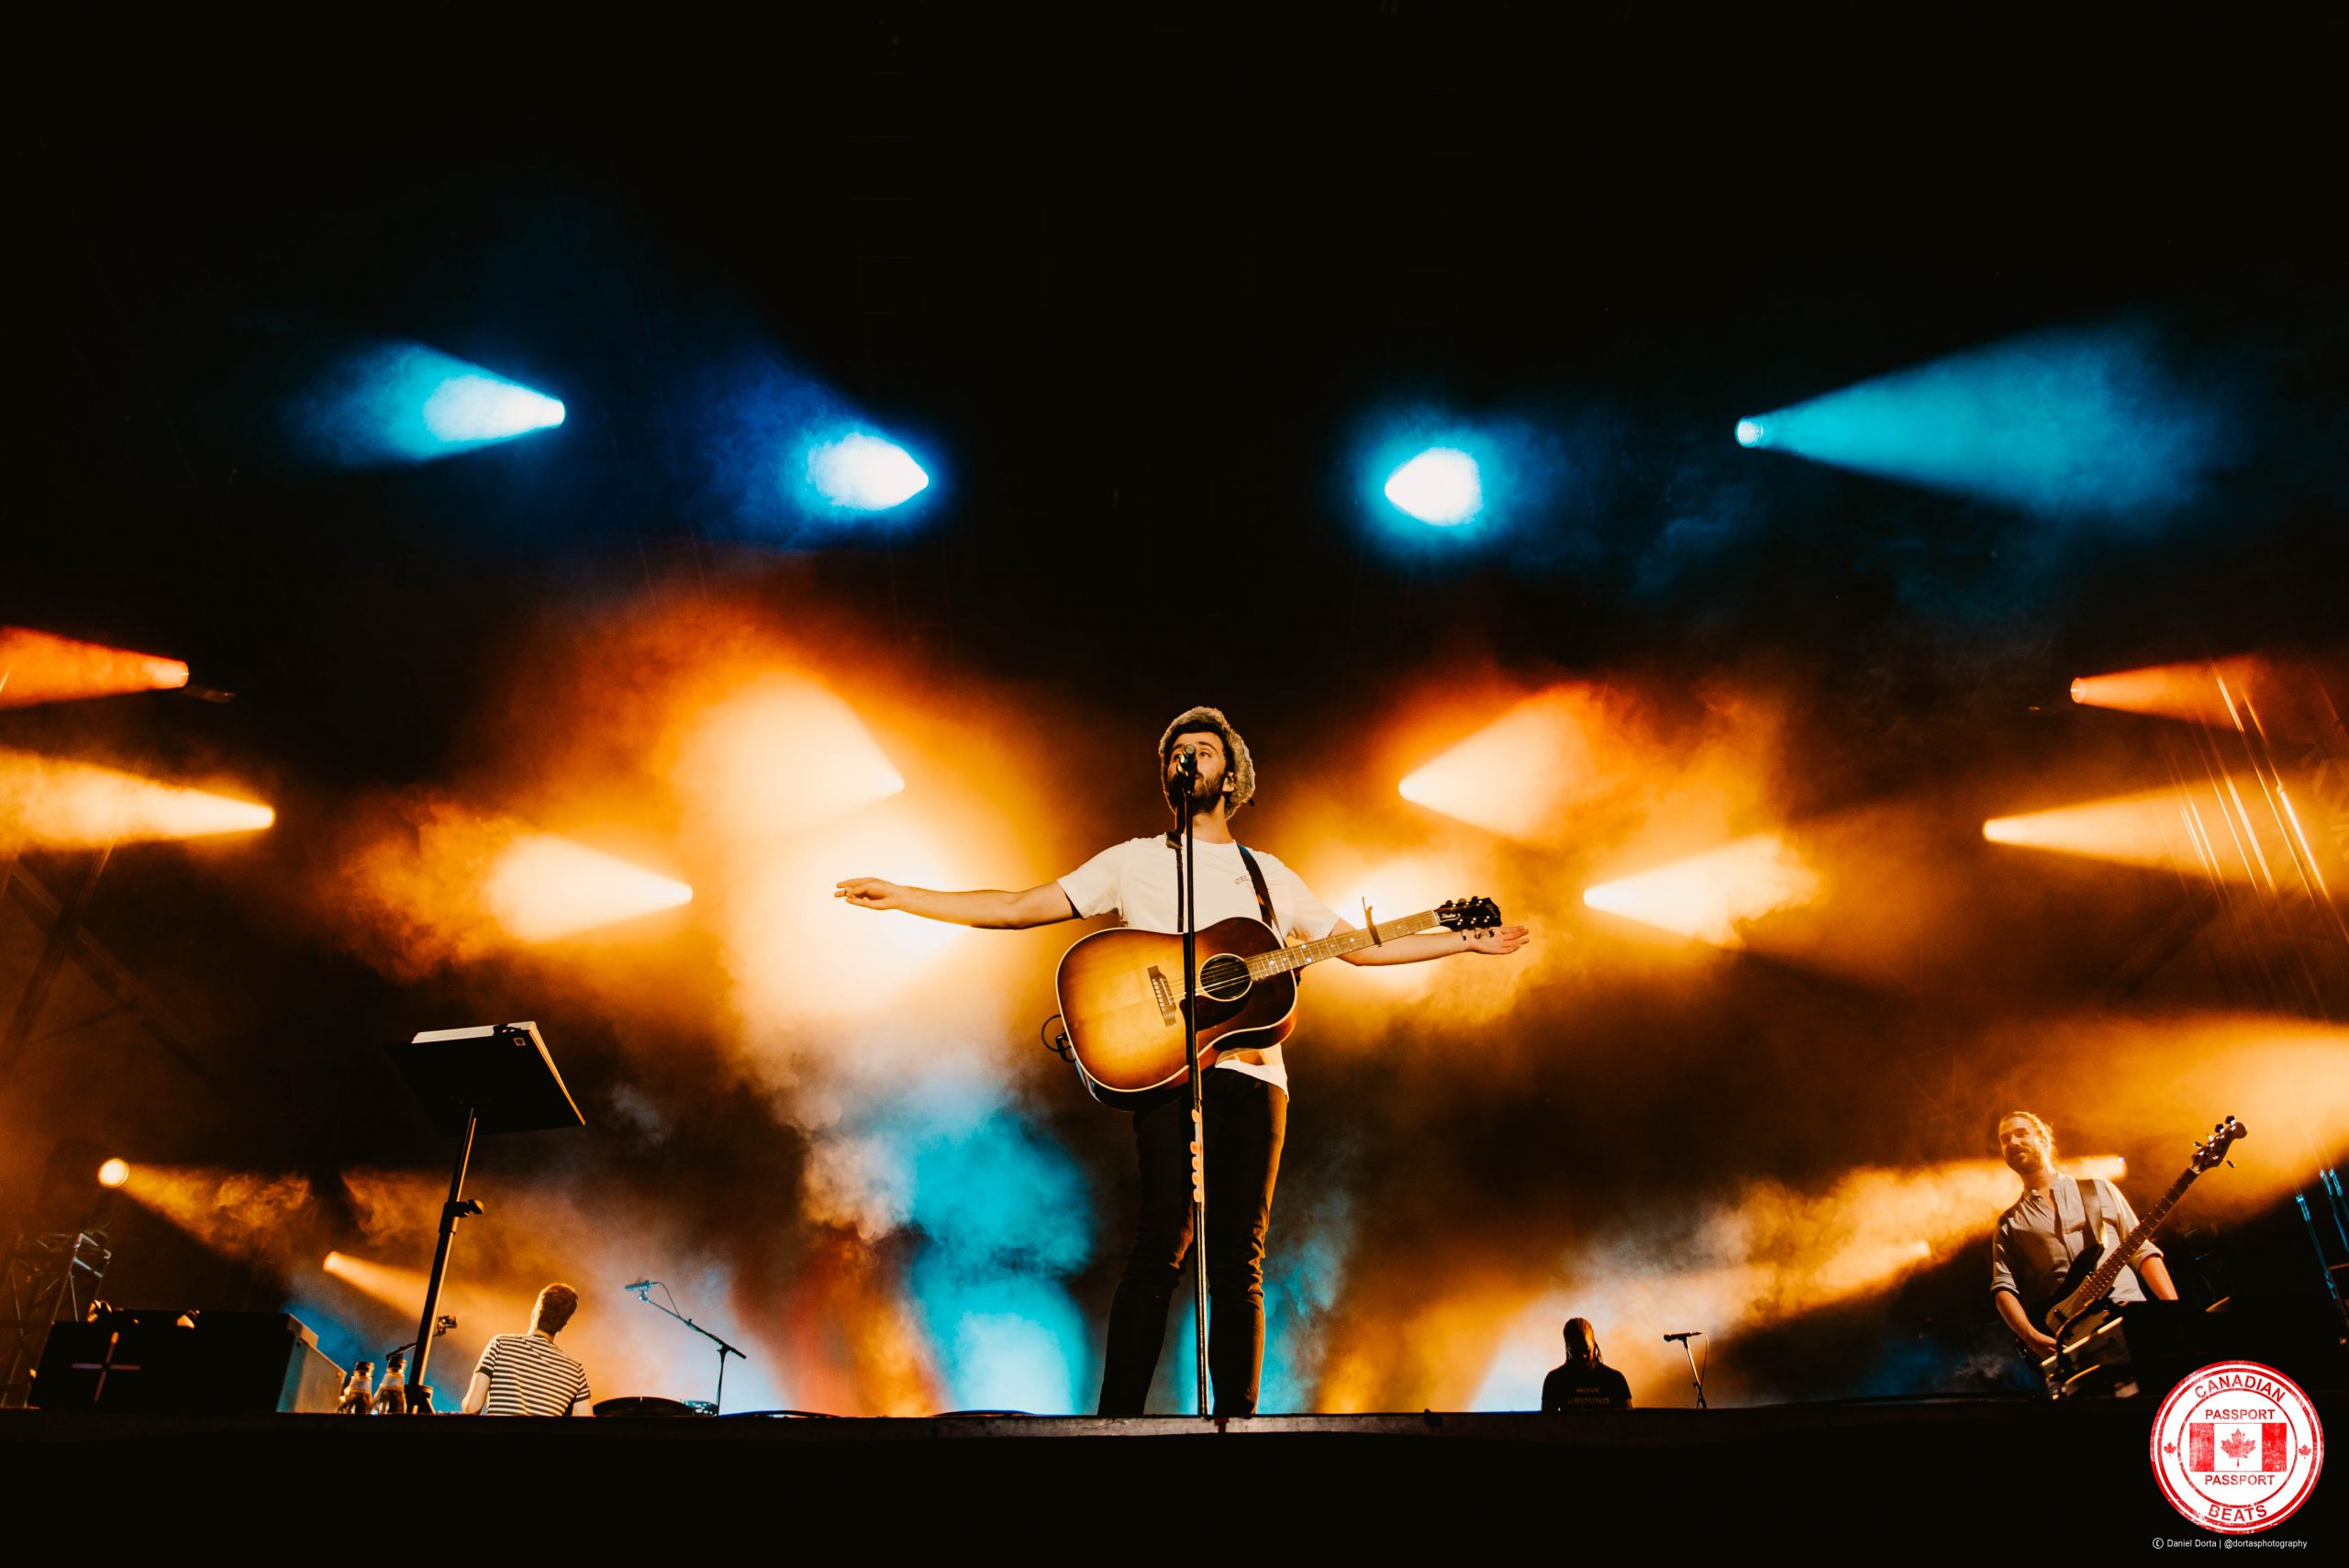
(1246, 1119)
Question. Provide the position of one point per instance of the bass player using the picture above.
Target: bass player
(2050, 1225)
(1246, 1090)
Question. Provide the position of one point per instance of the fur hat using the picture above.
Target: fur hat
(1239, 780)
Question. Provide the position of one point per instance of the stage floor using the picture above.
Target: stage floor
(1915, 1477)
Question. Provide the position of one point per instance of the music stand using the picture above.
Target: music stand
(488, 1078)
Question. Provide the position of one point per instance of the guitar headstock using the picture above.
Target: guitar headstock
(1469, 914)
(2211, 1151)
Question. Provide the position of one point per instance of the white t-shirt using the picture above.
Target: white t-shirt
(1136, 882)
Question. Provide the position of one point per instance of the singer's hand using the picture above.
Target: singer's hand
(1498, 938)
(870, 893)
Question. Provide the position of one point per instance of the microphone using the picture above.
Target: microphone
(1684, 1337)
(1186, 762)
(641, 1285)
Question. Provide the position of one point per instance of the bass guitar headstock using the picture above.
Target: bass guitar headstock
(2211, 1151)
(1469, 914)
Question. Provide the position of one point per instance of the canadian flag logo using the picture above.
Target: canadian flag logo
(2238, 1445)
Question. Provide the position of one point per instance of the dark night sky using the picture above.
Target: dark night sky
(1140, 290)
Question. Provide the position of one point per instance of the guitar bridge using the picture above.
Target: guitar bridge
(1169, 1013)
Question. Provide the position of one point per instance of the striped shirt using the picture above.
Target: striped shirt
(528, 1376)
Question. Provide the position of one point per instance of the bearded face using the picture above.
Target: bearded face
(1208, 746)
(2024, 1147)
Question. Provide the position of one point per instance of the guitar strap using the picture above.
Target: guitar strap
(1263, 895)
(2091, 1213)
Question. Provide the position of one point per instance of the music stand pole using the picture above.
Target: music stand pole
(1199, 1098)
(451, 1212)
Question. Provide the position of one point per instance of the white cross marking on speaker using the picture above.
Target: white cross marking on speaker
(108, 1365)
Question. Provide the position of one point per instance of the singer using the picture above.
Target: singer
(1246, 1092)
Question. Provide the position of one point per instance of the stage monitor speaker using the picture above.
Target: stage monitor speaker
(213, 1361)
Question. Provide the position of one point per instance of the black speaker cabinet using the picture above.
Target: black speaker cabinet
(174, 1360)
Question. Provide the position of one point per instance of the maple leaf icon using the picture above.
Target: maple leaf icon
(2238, 1443)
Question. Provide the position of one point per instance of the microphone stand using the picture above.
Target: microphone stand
(1189, 775)
(1694, 1376)
(724, 1350)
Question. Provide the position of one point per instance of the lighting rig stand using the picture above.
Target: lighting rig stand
(52, 1278)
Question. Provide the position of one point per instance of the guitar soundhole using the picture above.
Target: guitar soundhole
(1224, 977)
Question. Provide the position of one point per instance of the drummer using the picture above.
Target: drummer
(525, 1374)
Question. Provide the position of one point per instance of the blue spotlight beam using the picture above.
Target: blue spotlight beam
(864, 473)
(2069, 422)
(407, 403)
(1441, 486)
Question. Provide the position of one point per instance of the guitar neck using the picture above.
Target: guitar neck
(2110, 1268)
(1282, 961)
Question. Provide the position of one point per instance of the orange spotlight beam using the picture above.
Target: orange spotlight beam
(37, 667)
(2205, 829)
(1712, 895)
(1517, 774)
(544, 887)
(387, 1283)
(2197, 693)
(785, 752)
(241, 1213)
(65, 805)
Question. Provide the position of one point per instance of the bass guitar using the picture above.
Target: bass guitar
(2089, 1279)
(2091, 1350)
(1121, 992)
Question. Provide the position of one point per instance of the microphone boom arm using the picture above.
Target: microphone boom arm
(724, 1350)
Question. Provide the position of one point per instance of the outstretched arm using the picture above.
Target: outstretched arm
(1494, 942)
(985, 908)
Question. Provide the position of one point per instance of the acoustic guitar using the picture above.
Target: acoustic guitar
(1121, 992)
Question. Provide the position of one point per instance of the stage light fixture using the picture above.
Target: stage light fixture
(1751, 433)
(114, 1173)
(864, 473)
(1441, 486)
